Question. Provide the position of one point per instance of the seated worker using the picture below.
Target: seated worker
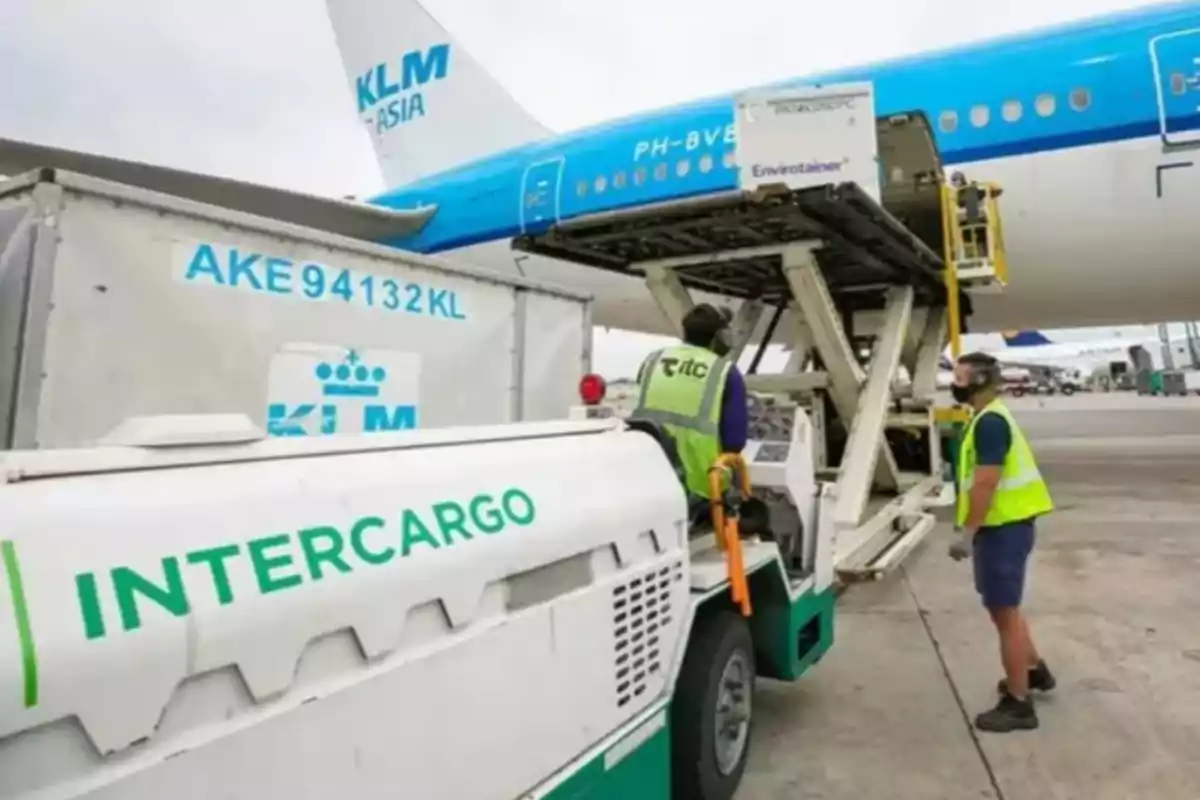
(697, 395)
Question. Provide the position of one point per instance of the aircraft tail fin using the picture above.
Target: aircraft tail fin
(1025, 339)
(426, 103)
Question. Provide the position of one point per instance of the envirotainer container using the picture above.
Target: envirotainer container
(118, 301)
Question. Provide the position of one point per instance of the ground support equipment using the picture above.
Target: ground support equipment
(826, 262)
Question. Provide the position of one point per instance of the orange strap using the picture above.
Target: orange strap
(725, 530)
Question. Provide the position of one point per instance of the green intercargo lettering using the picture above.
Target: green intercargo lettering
(263, 564)
(330, 552)
(127, 585)
(451, 519)
(415, 533)
(517, 506)
(283, 561)
(358, 530)
(89, 606)
(215, 558)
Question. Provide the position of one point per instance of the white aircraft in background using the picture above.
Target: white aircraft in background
(1034, 350)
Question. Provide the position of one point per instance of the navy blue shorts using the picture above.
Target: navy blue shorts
(1000, 557)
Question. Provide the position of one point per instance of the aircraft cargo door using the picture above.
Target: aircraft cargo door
(541, 190)
(1175, 58)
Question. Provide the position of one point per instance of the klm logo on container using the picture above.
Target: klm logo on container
(350, 403)
(391, 89)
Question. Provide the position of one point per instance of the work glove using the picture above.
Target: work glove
(960, 546)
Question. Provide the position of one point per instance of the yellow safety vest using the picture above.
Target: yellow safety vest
(1021, 493)
(681, 388)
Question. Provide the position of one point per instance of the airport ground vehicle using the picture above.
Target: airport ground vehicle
(118, 301)
(353, 615)
(282, 621)
(1113, 376)
(1163, 382)
(872, 296)
(1020, 381)
(1019, 387)
(1056, 383)
(1017, 381)
(1172, 383)
(1070, 381)
(1191, 381)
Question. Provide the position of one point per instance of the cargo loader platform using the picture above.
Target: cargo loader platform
(814, 258)
(859, 277)
(730, 244)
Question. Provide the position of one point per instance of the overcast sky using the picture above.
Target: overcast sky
(254, 89)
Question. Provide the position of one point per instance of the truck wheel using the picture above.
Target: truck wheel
(1068, 390)
(710, 713)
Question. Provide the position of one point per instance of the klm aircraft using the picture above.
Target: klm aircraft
(1092, 129)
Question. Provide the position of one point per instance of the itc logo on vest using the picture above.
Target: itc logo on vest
(691, 368)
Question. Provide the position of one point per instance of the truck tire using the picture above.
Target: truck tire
(714, 691)
(1068, 390)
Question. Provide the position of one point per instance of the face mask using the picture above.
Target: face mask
(961, 394)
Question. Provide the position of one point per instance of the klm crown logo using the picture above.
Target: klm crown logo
(350, 378)
(342, 383)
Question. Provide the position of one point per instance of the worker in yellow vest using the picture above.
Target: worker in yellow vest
(1000, 495)
(696, 393)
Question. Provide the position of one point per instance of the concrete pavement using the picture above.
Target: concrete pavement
(1113, 602)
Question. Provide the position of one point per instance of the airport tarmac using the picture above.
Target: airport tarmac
(1113, 603)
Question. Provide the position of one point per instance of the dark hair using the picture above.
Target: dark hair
(701, 323)
(985, 369)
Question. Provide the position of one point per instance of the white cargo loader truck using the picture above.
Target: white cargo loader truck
(811, 250)
(118, 301)
(497, 612)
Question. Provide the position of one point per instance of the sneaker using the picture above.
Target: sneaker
(1010, 714)
(1040, 680)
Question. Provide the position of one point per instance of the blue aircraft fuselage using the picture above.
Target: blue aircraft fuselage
(1119, 77)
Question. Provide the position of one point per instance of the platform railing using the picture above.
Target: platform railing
(950, 273)
(975, 248)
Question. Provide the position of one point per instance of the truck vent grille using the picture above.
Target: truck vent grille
(641, 610)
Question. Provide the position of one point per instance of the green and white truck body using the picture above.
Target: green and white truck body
(518, 611)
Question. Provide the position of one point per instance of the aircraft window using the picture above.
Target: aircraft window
(948, 121)
(581, 188)
(706, 163)
(1011, 110)
(601, 184)
(980, 116)
(682, 166)
(660, 171)
(728, 159)
(1080, 99)
(639, 176)
(1044, 105)
(1178, 83)
(619, 180)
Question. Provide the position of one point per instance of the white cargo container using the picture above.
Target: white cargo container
(117, 301)
(809, 136)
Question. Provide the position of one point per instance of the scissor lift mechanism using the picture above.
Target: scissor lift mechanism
(817, 256)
